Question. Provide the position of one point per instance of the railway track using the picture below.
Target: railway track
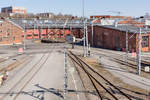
(30, 73)
(119, 59)
(120, 56)
(96, 80)
(129, 64)
(13, 65)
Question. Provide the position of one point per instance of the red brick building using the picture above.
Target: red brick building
(51, 33)
(47, 28)
(112, 37)
(10, 33)
(14, 10)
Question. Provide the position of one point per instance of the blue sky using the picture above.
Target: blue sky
(92, 7)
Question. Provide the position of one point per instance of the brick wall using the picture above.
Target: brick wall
(10, 33)
(113, 39)
(52, 33)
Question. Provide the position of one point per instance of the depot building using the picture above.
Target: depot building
(10, 33)
(114, 37)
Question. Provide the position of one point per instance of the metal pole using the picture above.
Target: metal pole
(84, 41)
(34, 29)
(92, 32)
(41, 24)
(12, 35)
(48, 30)
(84, 48)
(137, 50)
(127, 48)
(139, 53)
(24, 35)
(83, 7)
(65, 75)
(87, 40)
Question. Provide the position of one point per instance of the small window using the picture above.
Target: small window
(145, 41)
(29, 35)
(35, 34)
(60, 34)
(44, 34)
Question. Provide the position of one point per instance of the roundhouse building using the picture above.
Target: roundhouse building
(10, 33)
(47, 28)
(114, 37)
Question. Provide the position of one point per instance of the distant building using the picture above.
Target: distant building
(109, 16)
(45, 15)
(108, 19)
(147, 22)
(14, 10)
(131, 22)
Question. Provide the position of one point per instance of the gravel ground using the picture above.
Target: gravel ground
(124, 75)
(135, 92)
(130, 80)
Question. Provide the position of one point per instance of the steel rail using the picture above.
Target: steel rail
(80, 64)
(14, 86)
(102, 77)
(91, 77)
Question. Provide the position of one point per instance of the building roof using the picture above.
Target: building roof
(48, 23)
(14, 7)
(129, 28)
(130, 22)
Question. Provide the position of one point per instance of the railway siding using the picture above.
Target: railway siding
(127, 77)
(130, 81)
(98, 81)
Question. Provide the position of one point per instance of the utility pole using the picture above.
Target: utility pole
(126, 48)
(34, 28)
(84, 37)
(12, 34)
(24, 21)
(40, 28)
(92, 32)
(139, 53)
(48, 29)
(87, 47)
(24, 36)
